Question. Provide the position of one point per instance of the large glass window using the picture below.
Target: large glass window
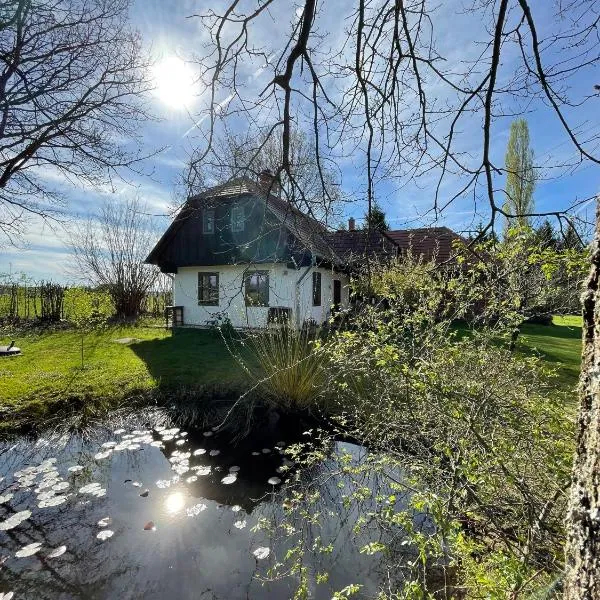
(208, 220)
(316, 288)
(257, 288)
(208, 289)
(237, 218)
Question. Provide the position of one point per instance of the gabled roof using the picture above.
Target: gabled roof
(308, 232)
(428, 243)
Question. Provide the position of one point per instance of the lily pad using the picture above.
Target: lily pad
(215, 452)
(145, 493)
(199, 451)
(266, 450)
(4, 499)
(192, 511)
(229, 479)
(208, 434)
(234, 469)
(28, 550)
(57, 552)
(240, 524)
(236, 508)
(104, 522)
(75, 469)
(104, 535)
(150, 526)
(274, 481)
(15, 520)
(261, 552)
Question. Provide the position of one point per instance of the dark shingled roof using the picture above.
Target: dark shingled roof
(427, 243)
(353, 246)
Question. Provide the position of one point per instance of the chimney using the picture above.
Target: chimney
(267, 181)
(351, 224)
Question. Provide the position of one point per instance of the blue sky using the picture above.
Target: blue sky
(167, 31)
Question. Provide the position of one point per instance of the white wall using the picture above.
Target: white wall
(282, 283)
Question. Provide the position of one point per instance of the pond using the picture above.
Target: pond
(151, 511)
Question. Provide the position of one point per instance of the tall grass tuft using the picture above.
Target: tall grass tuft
(291, 367)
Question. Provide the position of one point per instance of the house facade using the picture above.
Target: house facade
(240, 254)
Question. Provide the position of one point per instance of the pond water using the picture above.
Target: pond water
(155, 512)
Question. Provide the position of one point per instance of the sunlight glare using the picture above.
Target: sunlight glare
(174, 82)
(174, 503)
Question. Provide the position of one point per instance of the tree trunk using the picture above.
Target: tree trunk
(582, 578)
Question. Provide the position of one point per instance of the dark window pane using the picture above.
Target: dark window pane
(257, 289)
(208, 289)
(237, 218)
(316, 289)
(208, 221)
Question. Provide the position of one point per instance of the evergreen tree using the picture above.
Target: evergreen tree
(376, 220)
(546, 236)
(571, 239)
(520, 175)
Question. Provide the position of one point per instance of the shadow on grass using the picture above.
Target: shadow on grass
(190, 358)
(570, 332)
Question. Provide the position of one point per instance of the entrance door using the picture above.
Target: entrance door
(337, 293)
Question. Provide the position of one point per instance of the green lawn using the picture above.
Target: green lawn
(559, 344)
(50, 367)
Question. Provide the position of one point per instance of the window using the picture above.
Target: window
(316, 289)
(257, 288)
(208, 289)
(237, 218)
(208, 220)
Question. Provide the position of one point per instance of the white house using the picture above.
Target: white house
(241, 253)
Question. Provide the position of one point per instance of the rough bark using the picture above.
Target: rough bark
(582, 579)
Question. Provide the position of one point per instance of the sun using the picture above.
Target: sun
(174, 83)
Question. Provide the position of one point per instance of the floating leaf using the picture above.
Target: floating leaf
(118, 431)
(234, 469)
(57, 552)
(55, 501)
(145, 493)
(191, 479)
(240, 524)
(180, 442)
(4, 499)
(199, 451)
(61, 485)
(208, 434)
(136, 484)
(192, 511)
(274, 481)
(163, 483)
(109, 444)
(256, 454)
(215, 452)
(266, 450)
(101, 455)
(104, 535)
(75, 469)
(261, 552)
(229, 479)
(28, 550)
(15, 520)
(105, 522)
(6, 595)
(236, 508)
(150, 526)
(202, 470)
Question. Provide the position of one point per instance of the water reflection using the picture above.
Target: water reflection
(203, 542)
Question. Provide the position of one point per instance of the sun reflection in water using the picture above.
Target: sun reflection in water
(174, 502)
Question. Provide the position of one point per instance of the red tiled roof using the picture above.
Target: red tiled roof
(427, 243)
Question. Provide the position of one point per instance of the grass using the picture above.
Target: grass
(558, 344)
(51, 367)
(50, 372)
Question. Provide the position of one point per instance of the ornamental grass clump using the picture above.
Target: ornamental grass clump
(291, 367)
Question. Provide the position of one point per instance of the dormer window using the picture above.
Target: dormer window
(208, 220)
(237, 218)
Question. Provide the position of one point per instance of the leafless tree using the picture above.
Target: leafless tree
(378, 86)
(312, 188)
(72, 79)
(110, 250)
